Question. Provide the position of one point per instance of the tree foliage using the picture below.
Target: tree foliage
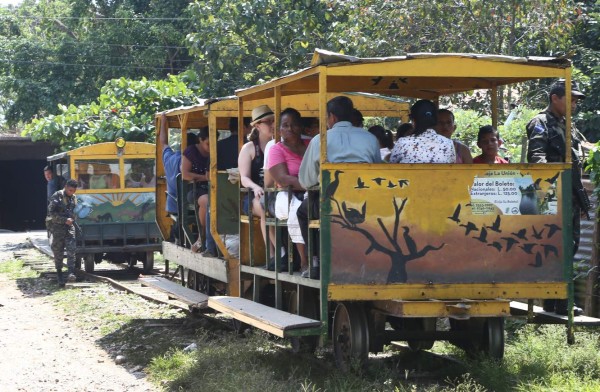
(62, 52)
(239, 43)
(125, 108)
(587, 59)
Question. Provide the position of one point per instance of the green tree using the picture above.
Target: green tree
(125, 108)
(508, 27)
(239, 43)
(587, 59)
(56, 52)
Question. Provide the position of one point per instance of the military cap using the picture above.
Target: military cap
(558, 88)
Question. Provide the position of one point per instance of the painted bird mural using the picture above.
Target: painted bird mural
(509, 242)
(360, 184)
(521, 234)
(538, 260)
(470, 226)
(537, 234)
(354, 216)
(456, 214)
(553, 229)
(496, 225)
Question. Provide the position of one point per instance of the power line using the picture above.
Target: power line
(93, 18)
(130, 57)
(90, 65)
(123, 45)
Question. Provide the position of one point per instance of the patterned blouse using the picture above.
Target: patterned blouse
(428, 147)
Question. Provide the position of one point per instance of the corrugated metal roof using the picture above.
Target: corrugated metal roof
(325, 57)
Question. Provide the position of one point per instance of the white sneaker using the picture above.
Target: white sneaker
(71, 278)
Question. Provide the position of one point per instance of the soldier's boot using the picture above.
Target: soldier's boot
(71, 271)
(71, 277)
(60, 278)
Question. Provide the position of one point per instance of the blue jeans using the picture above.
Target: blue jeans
(211, 246)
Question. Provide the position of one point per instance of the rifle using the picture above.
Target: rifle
(579, 192)
(78, 228)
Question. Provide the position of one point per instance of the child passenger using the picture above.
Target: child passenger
(489, 141)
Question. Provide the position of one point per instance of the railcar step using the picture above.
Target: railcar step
(183, 294)
(543, 317)
(274, 321)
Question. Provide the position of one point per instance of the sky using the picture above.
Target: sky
(9, 2)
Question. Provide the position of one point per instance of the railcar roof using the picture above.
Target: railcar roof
(417, 75)
(196, 116)
(107, 148)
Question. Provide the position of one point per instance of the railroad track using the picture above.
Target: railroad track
(119, 276)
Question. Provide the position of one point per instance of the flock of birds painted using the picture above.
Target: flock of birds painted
(519, 238)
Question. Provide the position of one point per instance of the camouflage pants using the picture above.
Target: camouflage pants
(63, 240)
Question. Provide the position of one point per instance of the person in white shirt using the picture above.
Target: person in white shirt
(425, 145)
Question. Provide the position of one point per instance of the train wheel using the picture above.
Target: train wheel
(425, 324)
(309, 307)
(192, 280)
(78, 262)
(350, 335)
(89, 263)
(493, 337)
(149, 262)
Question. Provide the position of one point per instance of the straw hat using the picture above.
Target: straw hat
(260, 112)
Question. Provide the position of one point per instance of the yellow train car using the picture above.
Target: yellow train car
(116, 204)
(400, 245)
(432, 241)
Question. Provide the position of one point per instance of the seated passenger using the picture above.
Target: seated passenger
(345, 143)
(113, 180)
(489, 142)
(357, 118)
(311, 127)
(404, 129)
(445, 126)
(385, 139)
(83, 181)
(251, 161)
(227, 149)
(148, 179)
(285, 158)
(172, 163)
(424, 145)
(82, 175)
(134, 177)
(98, 180)
(194, 168)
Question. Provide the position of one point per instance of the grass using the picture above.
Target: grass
(153, 336)
(126, 324)
(14, 269)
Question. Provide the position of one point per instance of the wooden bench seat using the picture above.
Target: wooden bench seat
(191, 297)
(274, 321)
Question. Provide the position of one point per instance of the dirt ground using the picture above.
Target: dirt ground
(42, 350)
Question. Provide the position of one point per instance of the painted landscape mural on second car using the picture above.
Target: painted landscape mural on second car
(115, 207)
(468, 225)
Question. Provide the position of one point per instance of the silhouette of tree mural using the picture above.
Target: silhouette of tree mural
(347, 220)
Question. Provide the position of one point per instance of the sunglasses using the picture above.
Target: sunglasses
(267, 121)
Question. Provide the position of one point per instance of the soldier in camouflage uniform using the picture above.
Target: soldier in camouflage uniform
(61, 220)
(547, 143)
